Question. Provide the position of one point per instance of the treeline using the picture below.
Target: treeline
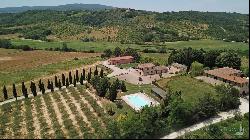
(119, 52)
(52, 84)
(212, 58)
(173, 114)
(134, 26)
(6, 44)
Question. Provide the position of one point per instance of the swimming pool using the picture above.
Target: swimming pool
(138, 100)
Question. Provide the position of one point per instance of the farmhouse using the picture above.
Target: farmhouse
(161, 69)
(147, 69)
(121, 60)
(230, 76)
(151, 69)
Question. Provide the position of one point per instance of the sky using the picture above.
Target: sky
(240, 6)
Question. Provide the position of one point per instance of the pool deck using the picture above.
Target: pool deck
(150, 100)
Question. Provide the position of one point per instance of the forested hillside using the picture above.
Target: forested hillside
(125, 25)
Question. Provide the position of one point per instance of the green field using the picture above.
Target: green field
(227, 130)
(241, 48)
(160, 58)
(191, 88)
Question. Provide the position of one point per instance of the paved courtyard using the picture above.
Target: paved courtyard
(131, 75)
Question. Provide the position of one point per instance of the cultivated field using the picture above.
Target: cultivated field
(68, 113)
(15, 60)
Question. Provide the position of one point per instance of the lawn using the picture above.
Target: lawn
(191, 88)
(227, 130)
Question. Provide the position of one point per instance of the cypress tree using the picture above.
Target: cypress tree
(26, 93)
(48, 85)
(123, 87)
(40, 85)
(90, 72)
(89, 77)
(63, 80)
(67, 82)
(43, 88)
(70, 78)
(112, 92)
(24, 90)
(59, 84)
(52, 86)
(117, 84)
(56, 81)
(96, 71)
(74, 81)
(33, 88)
(81, 79)
(5, 93)
(101, 73)
(83, 74)
(77, 76)
(14, 92)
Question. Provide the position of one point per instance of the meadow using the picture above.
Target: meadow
(241, 48)
(190, 88)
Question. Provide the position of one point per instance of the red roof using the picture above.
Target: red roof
(228, 74)
(121, 58)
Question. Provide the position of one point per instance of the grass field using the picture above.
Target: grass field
(227, 130)
(191, 88)
(242, 48)
(160, 58)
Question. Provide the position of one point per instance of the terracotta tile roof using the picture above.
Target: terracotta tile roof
(146, 65)
(227, 74)
(121, 58)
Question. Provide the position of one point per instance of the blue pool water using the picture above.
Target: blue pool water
(138, 101)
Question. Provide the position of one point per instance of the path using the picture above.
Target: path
(243, 108)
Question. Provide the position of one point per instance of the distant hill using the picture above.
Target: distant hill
(67, 7)
(124, 25)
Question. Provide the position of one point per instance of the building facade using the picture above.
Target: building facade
(151, 69)
(121, 60)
